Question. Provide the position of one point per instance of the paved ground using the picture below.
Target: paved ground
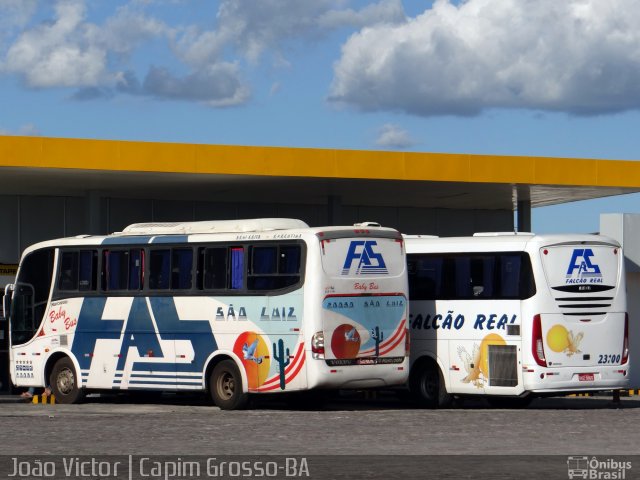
(181, 426)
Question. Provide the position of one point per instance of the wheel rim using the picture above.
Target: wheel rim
(430, 385)
(226, 385)
(66, 381)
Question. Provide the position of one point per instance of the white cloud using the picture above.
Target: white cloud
(26, 130)
(16, 13)
(254, 27)
(579, 56)
(393, 136)
(216, 86)
(69, 51)
(388, 11)
(58, 53)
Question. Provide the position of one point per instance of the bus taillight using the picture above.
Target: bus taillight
(537, 345)
(407, 343)
(625, 344)
(317, 345)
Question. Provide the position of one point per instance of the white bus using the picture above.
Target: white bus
(228, 307)
(514, 316)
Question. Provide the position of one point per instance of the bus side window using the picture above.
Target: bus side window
(289, 265)
(510, 276)
(116, 269)
(181, 268)
(88, 270)
(463, 279)
(215, 267)
(274, 267)
(237, 268)
(159, 269)
(136, 269)
(483, 276)
(68, 275)
(425, 275)
(264, 268)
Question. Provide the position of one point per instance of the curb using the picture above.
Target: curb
(44, 399)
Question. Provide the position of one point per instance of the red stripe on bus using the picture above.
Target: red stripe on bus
(399, 331)
(293, 375)
(276, 379)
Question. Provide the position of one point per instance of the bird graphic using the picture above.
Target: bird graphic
(351, 335)
(249, 352)
(471, 365)
(574, 343)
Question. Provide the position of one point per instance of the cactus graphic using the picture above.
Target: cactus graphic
(378, 336)
(282, 357)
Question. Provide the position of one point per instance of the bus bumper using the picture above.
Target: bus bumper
(357, 376)
(577, 379)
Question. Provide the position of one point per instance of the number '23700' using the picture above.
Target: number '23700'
(604, 359)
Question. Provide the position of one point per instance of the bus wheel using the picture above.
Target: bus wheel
(427, 386)
(225, 385)
(64, 382)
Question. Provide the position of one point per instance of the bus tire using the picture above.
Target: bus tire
(225, 386)
(64, 382)
(427, 386)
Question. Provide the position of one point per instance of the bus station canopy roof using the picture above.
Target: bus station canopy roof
(73, 167)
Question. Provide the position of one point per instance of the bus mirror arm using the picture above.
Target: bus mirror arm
(6, 300)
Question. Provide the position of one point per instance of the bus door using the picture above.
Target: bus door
(586, 327)
(20, 313)
(5, 384)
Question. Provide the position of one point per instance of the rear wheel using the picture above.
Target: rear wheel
(427, 386)
(64, 382)
(225, 386)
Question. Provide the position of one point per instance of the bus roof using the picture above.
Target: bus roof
(498, 241)
(215, 230)
(214, 226)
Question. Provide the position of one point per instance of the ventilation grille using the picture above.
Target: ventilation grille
(503, 365)
(580, 306)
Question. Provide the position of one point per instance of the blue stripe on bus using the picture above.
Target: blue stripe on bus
(162, 382)
(171, 239)
(140, 334)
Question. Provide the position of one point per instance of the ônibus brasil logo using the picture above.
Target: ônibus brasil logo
(581, 261)
(369, 262)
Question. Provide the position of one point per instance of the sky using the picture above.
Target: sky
(505, 77)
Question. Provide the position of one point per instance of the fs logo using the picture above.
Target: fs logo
(369, 262)
(580, 260)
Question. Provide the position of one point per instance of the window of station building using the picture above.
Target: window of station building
(474, 276)
(170, 268)
(78, 270)
(122, 269)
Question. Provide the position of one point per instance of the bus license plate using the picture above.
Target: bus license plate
(586, 377)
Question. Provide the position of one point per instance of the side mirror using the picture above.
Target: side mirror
(6, 300)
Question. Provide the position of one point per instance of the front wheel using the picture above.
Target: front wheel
(225, 386)
(64, 382)
(427, 386)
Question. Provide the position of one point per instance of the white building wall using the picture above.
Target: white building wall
(625, 228)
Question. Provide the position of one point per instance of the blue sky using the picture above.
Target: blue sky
(516, 77)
